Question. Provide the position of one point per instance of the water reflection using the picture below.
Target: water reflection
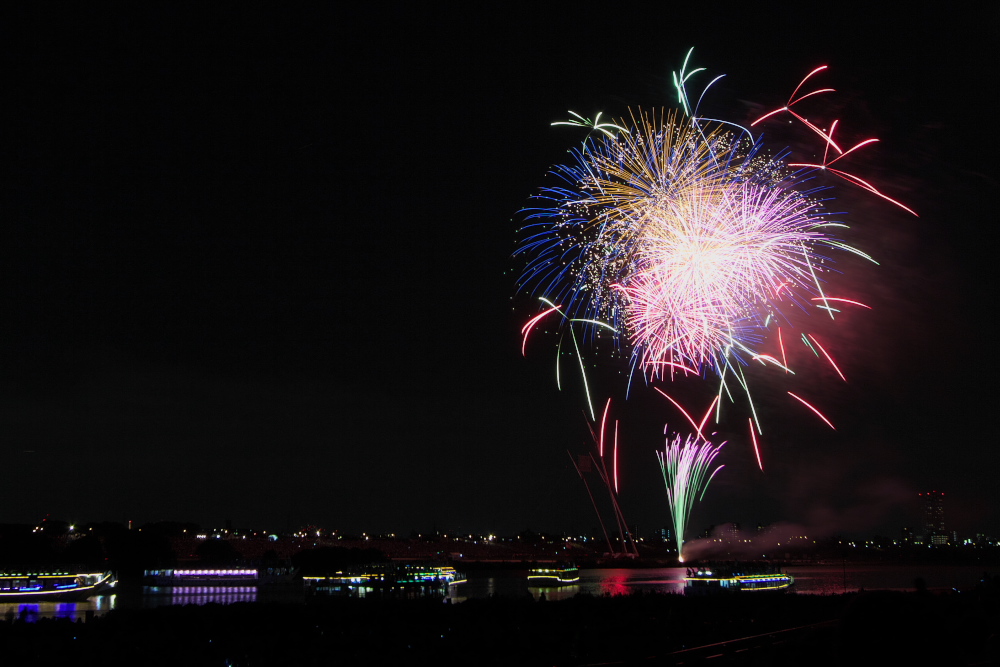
(614, 584)
(66, 610)
(102, 604)
(847, 578)
(481, 585)
(555, 592)
(598, 582)
(626, 581)
(154, 596)
(30, 612)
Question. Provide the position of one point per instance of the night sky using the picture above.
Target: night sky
(257, 267)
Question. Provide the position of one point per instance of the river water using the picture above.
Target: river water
(811, 580)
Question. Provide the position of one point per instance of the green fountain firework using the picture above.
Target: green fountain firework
(686, 462)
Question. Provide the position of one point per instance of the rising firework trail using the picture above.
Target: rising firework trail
(599, 465)
(685, 463)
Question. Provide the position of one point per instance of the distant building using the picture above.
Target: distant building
(932, 504)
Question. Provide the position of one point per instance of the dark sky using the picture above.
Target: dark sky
(257, 267)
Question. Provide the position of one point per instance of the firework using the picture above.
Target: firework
(681, 235)
(685, 464)
(689, 245)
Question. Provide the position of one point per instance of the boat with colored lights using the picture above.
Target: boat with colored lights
(384, 577)
(736, 578)
(54, 583)
(553, 575)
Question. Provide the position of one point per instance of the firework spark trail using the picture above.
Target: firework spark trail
(828, 358)
(756, 448)
(829, 142)
(685, 463)
(792, 101)
(604, 420)
(615, 467)
(526, 329)
(817, 412)
(553, 308)
(833, 298)
(684, 412)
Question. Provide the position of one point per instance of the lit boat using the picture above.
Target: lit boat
(553, 575)
(53, 583)
(385, 576)
(448, 575)
(734, 578)
(216, 576)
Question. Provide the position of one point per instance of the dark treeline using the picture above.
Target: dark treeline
(107, 545)
(327, 560)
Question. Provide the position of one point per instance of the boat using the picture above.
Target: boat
(553, 575)
(736, 578)
(384, 576)
(234, 576)
(54, 583)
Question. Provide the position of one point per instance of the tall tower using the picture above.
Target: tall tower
(933, 507)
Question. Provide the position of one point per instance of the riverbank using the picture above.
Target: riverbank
(630, 629)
